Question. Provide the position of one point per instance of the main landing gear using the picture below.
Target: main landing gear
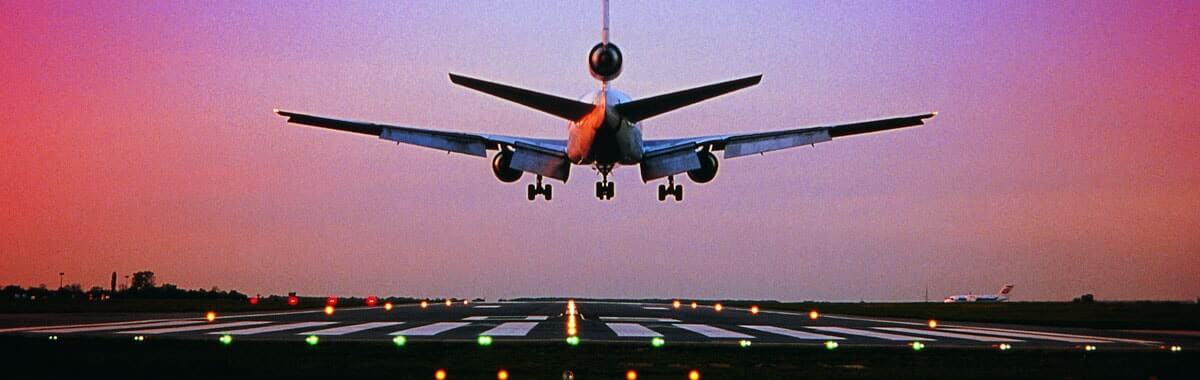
(545, 190)
(604, 189)
(670, 189)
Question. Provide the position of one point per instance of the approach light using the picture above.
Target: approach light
(694, 375)
(226, 339)
(293, 300)
(210, 316)
(572, 331)
(1089, 348)
(573, 340)
(387, 306)
(744, 343)
(675, 304)
(754, 309)
(424, 304)
(139, 338)
(53, 337)
(312, 340)
(502, 375)
(1176, 348)
(449, 302)
(694, 305)
(399, 340)
(813, 315)
(1005, 346)
(831, 345)
(440, 374)
(631, 375)
(372, 301)
(328, 310)
(933, 323)
(917, 346)
(331, 301)
(657, 342)
(484, 340)
(718, 307)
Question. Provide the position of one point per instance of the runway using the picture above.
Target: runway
(594, 322)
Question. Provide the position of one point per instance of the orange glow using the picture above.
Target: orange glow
(571, 331)
(449, 302)
(694, 375)
(466, 302)
(675, 304)
(440, 374)
(631, 375)
(424, 304)
(694, 305)
(502, 375)
(754, 310)
(718, 307)
(211, 316)
(387, 306)
(813, 315)
(328, 310)
(933, 323)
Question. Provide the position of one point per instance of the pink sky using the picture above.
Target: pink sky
(1064, 160)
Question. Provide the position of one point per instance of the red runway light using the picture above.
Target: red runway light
(293, 300)
(372, 301)
(254, 300)
(331, 301)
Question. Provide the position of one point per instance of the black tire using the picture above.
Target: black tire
(600, 190)
(532, 193)
(548, 192)
(679, 193)
(611, 190)
(662, 193)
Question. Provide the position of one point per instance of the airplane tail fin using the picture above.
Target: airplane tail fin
(646, 108)
(1004, 291)
(558, 106)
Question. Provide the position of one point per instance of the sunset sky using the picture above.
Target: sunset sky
(1065, 158)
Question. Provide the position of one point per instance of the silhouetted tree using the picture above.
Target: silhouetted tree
(141, 281)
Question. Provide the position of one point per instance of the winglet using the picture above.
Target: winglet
(555, 105)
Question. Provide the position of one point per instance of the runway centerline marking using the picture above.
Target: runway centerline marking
(792, 333)
(507, 318)
(633, 330)
(487, 307)
(343, 330)
(431, 330)
(118, 327)
(943, 334)
(511, 329)
(1029, 335)
(206, 326)
(711, 332)
(640, 319)
(272, 328)
(655, 308)
(868, 333)
(118, 323)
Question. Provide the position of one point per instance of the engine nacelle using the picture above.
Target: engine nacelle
(500, 167)
(707, 170)
(604, 61)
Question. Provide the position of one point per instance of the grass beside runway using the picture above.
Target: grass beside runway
(79, 357)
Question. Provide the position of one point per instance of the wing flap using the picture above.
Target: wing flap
(446, 142)
(738, 147)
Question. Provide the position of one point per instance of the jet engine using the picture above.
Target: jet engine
(707, 170)
(500, 167)
(605, 61)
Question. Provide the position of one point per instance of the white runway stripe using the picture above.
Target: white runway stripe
(487, 307)
(511, 329)
(343, 330)
(792, 333)
(943, 334)
(639, 319)
(118, 327)
(206, 326)
(632, 330)
(1062, 335)
(272, 328)
(711, 332)
(430, 330)
(1029, 335)
(31, 328)
(507, 318)
(655, 308)
(869, 334)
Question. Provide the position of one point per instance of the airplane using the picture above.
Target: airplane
(604, 130)
(1003, 296)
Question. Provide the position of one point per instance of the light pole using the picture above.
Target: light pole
(60, 280)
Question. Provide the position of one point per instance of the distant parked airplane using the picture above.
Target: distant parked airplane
(1003, 296)
(605, 131)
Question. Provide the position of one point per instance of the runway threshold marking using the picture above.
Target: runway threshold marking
(632, 330)
(343, 330)
(1126, 340)
(272, 328)
(31, 328)
(868, 333)
(511, 329)
(206, 326)
(507, 318)
(118, 327)
(1029, 335)
(792, 333)
(430, 330)
(640, 319)
(943, 334)
(711, 332)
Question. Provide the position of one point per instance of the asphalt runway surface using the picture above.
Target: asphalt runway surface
(609, 322)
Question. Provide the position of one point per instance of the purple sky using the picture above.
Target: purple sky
(1064, 159)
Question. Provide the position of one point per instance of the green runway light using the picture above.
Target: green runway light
(917, 346)
(831, 345)
(484, 340)
(312, 340)
(573, 340)
(226, 339)
(399, 341)
(744, 343)
(657, 342)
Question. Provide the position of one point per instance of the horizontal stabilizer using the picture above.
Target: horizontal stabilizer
(558, 106)
(643, 109)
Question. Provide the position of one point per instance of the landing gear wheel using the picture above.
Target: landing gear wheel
(679, 193)
(662, 193)
(548, 192)
(535, 189)
(532, 192)
(670, 189)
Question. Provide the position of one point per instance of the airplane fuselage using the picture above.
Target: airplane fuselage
(603, 137)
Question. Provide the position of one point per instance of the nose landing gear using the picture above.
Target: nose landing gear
(670, 189)
(545, 190)
(604, 189)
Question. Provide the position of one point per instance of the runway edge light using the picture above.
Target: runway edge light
(400, 340)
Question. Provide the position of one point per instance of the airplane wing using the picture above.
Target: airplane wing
(547, 157)
(662, 158)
